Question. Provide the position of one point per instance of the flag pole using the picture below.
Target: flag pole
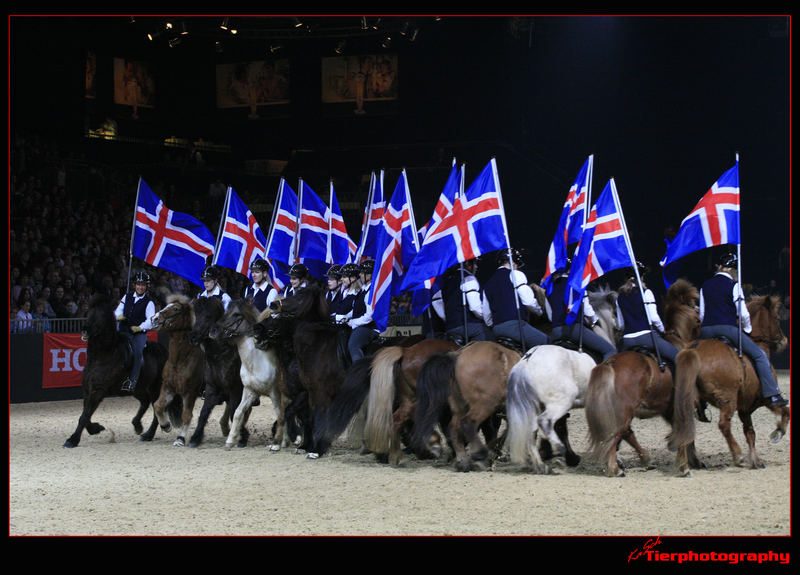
(587, 208)
(133, 233)
(222, 224)
(298, 219)
(275, 208)
(329, 244)
(510, 257)
(629, 246)
(365, 222)
(739, 262)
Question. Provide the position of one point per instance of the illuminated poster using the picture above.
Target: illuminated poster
(91, 75)
(134, 84)
(253, 84)
(359, 79)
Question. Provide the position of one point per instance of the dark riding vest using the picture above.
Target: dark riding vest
(719, 308)
(360, 307)
(453, 304)
(631, 305)
(334, 298)
(558, 308)
(501, 298)
(257, 296)
(135, 313)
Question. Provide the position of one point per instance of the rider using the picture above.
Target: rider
(500, 301)
(298, 279)
(334, 294)
(351, 287)
(210, 279)
(557, 312)
(133, 314)
(636, 315)
(453, 290)
(261, 293)
(721, 307)
(364, 329)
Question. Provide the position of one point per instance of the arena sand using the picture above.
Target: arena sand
(113, 484)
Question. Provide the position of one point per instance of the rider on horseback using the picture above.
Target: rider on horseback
(638, 315)
(453, 290)
(210, 279)
(364, 329)
(334, 294)
(261, 293)
(133, 314)
(298, 279)
(557, 311)
(500, 302)
(721, 308)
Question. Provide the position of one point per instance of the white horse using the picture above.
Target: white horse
(261, 371)
(545, 385)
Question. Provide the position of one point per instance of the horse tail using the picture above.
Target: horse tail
(332, 422)
(687, 367)
(380, 401)
(433, 390)
(603, 415)
(522, 411)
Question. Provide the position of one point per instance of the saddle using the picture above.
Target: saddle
(571, 344)
(722, 338)
(649, 352)
(509, 343)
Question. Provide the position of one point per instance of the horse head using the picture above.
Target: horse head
(681, 312)
(603, 299)
(207, 312)
(100, 320)
(237, 321)
(766, 324)
(308, 303)
(177, 315)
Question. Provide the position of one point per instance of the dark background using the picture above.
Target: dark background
(663, 103)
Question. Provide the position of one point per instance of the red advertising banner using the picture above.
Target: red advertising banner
(63, 359)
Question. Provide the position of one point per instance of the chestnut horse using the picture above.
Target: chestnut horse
(631, 384)
(387, 381)
(713, 371)
(471, 382)
(183, 373)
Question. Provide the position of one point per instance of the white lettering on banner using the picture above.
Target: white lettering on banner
(67, 359)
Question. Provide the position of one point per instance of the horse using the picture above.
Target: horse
(183, 372)
(221, 369)
(108, 361)
(711, 370)
(387, 381)
(471, 382)
(545, 385)
(632, 384)
(260, 371)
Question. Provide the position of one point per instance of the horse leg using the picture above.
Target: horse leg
(630, 438)
(725, 416)
(90, 403)
(164, 398)
(227, 415)
(213, 397)
(137, 419)
(151, 431)
(572, 458)
(545, 423)
(248, 397)
(400, 416)
(457, 443)
(478, 452)
(186, 419)
(279, 404)
(750, 435)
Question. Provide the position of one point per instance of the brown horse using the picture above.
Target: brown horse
(183, 372)
(631, 384)
(712, 370)
(471, 381)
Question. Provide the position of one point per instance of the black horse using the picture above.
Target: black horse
(221, 371)
(108, 362)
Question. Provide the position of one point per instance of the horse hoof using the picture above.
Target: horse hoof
(228, 446)
(145, 438)
(242, 443)
(166, 428)
(274, 448)
(68, 443)
(686, 473)
(312, 455)
(194, 444)
(180, 442)
(776, 436)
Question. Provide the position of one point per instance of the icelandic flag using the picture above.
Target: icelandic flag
(602, 249)
(282, 234)
(397, 244)
(340, 249)
(570, 224)
(312, 237)
(169, 240)
(476, 225)
(373, 214)
(421, 298)
(714, 221)
(241, 239)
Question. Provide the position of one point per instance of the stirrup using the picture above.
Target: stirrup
(128, 385)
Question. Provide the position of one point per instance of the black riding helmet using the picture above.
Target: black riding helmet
(729, 260)
(141, 278)
(366, 266)
(516, 254)
(350, 270)
(259, 265)
(643, 269)
(334, 272)
(298, 271)
(210, 273)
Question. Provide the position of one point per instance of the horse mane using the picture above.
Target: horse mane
(680, 310)
(246, 309)
(770, 302)
(602, 296)
(178, 298)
